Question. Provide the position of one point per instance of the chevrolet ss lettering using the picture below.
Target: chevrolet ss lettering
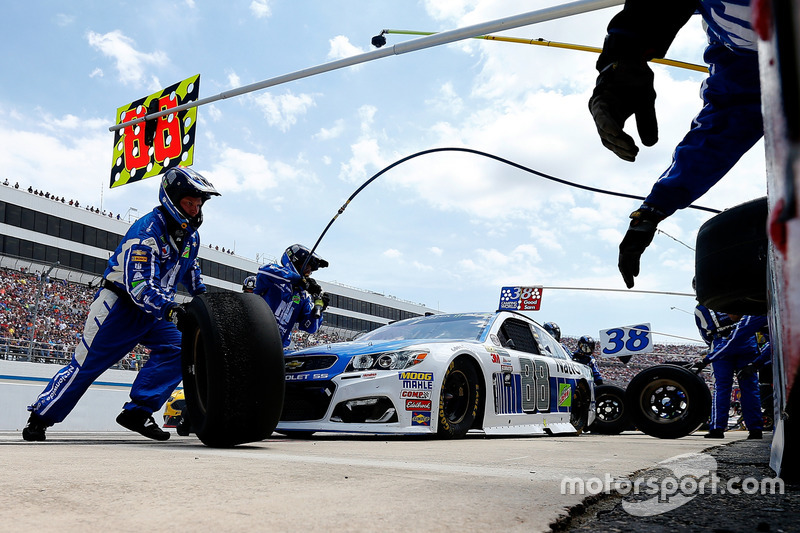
(441, 374)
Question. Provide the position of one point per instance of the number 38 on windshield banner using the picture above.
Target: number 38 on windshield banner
(626, 340)
(150, 148)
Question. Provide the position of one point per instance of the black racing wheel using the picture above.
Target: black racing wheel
(233, 369)
(668, 401)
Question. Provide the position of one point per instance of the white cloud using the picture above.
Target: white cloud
(260, 8)
(131, 64)
(341, 47)
(326, 134)
(391, 253)
(435, 250)
(282, 110)
(63, 19)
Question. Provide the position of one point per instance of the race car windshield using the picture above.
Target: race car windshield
(469, 327)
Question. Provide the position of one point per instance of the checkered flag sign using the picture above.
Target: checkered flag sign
(520, 298)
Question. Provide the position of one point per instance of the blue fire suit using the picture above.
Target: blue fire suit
(728, 355)
(279, 285)
(139, 287)
(591, 362)
(730, 121)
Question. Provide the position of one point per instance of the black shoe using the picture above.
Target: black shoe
(183, 427)
(755, 434)
(34, 429)
(141, 422)
(715, 434)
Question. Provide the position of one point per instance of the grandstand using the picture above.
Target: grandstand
(53, 251)
(58, 249)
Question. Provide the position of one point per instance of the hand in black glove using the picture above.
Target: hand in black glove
(699, 365)
(639, 236)
(326, 300)
(313, 287)
(175, 313)
(625, 88)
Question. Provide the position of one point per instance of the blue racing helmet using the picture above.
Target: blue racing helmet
(297, 254)
(249, 284)
(553, 329)
(179, 183)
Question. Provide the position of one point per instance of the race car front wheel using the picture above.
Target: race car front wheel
(612, 417)
(233, 370)
(668, 401)
(459, 400)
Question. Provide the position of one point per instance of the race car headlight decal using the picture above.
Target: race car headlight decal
(386, 360)
(360, 362)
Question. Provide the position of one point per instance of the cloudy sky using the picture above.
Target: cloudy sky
(447, 230)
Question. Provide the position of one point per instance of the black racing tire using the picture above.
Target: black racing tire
(667, 401)
(459, 400)
(233, 370)
(581, 403)
(731, 260)
(611, 415)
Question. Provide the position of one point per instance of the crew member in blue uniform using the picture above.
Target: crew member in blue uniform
(584, 355)
(293, 296)
(728, 125)
(136, 305)
(733, 350)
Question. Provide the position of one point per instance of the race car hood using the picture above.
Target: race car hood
(298, 363)
(366, 347)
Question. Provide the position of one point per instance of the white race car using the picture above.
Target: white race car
(445, 374)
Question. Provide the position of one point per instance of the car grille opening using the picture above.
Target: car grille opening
(308, 363)
(375, 410)
(307, 401)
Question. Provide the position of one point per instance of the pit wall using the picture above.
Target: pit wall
(21, 382)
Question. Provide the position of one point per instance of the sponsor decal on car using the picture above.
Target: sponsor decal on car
(424, 376)
(420, 418)
(368, 375)
(420, 394)
(564, 395)
(506, 368)
(567, 367)
(418, 405)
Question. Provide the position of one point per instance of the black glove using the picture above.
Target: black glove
(639, 236)
(746, 372)
(326, 300)
(625, 88)
(699, 365)
(175, 313)
(313, 287)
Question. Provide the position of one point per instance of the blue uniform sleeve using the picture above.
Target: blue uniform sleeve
(142, 278)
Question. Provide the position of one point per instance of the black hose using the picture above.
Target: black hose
(490, 156)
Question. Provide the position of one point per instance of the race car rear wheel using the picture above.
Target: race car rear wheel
(233, 370)
(612, 417)
(581, 402)
(668, 401)
(459, 400)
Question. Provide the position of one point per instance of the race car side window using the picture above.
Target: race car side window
(549, 345)
(517, 335)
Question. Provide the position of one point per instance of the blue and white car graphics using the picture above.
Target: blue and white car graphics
(500, 373)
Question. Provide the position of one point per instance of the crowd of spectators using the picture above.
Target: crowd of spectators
(615, 372)
(62, 311)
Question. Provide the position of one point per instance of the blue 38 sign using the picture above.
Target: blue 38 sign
(627, 340)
